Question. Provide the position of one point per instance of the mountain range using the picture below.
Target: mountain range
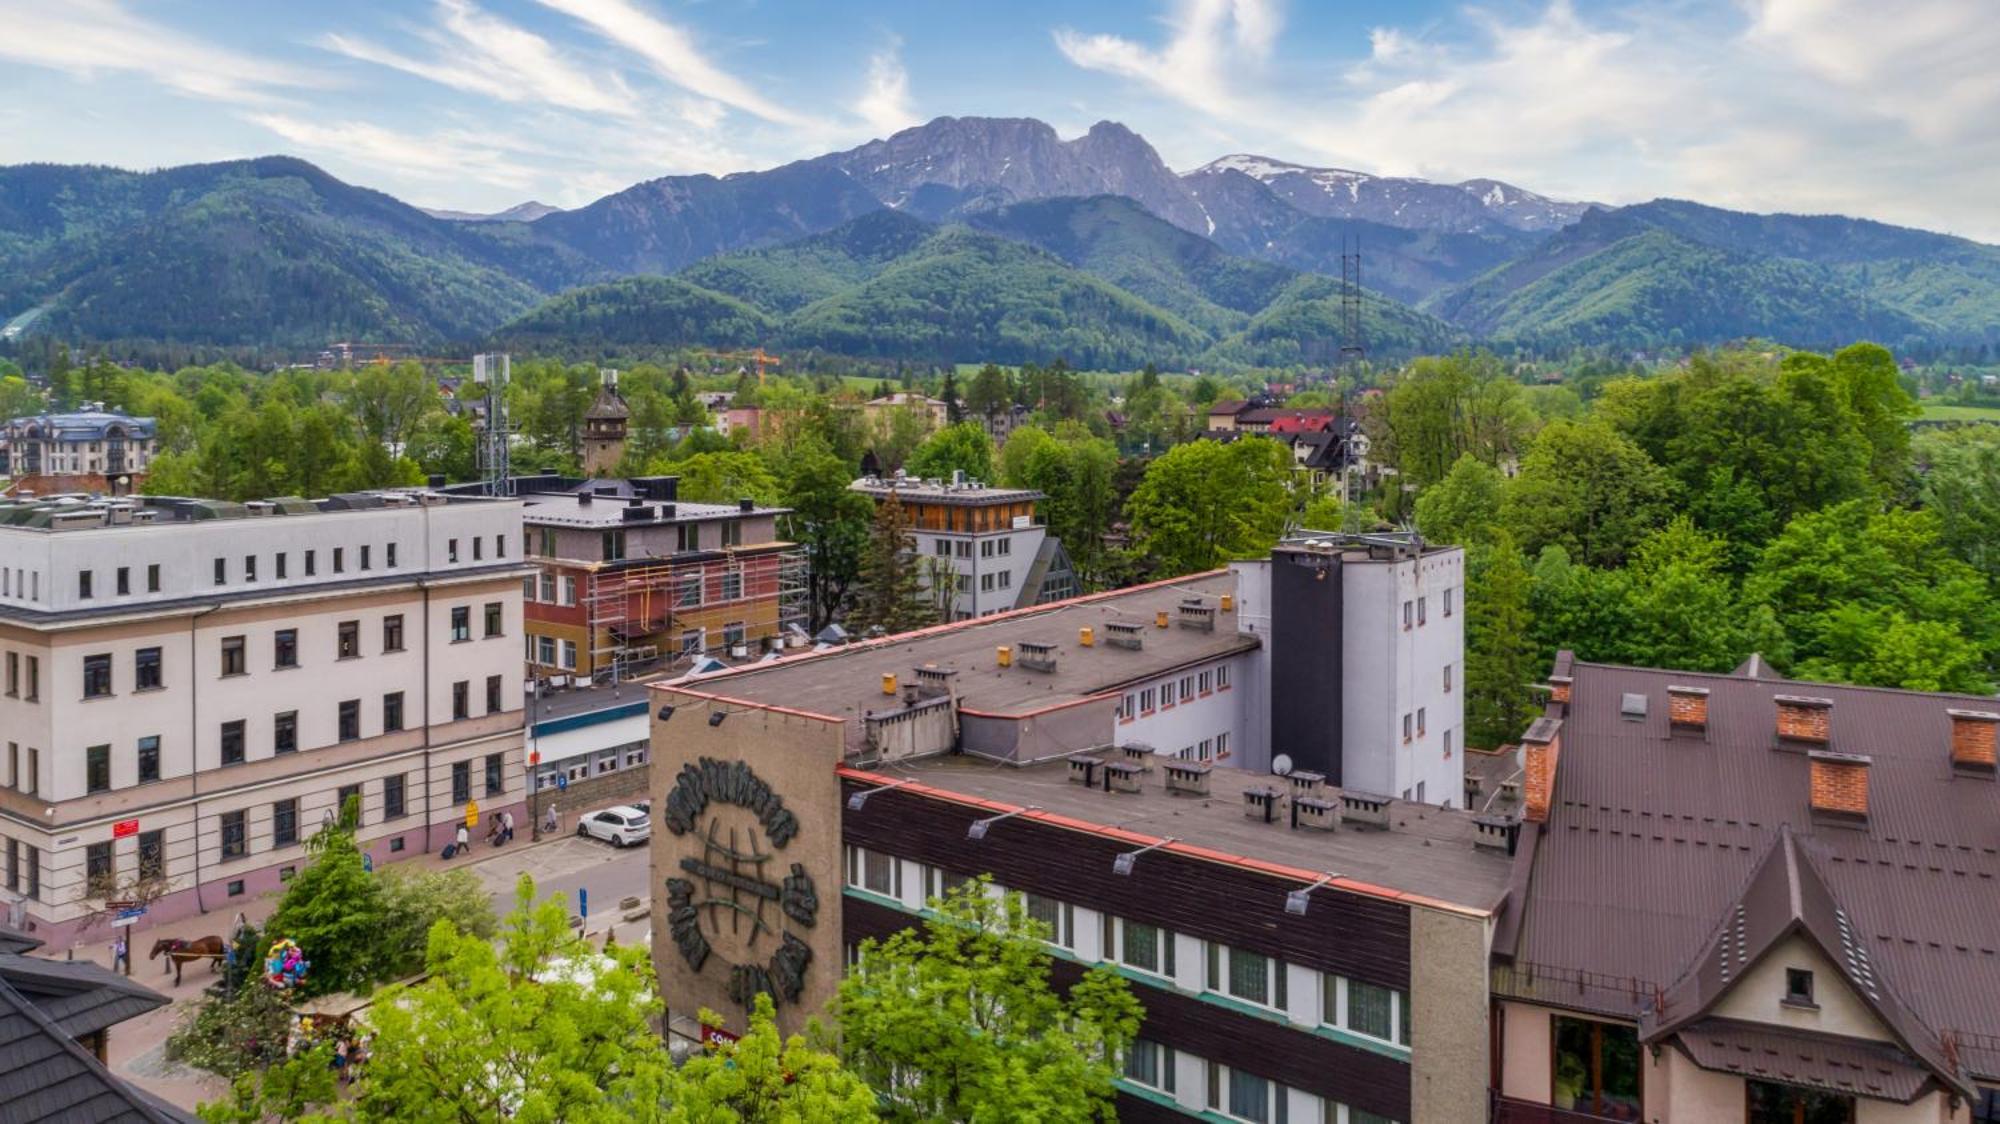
(963, 239)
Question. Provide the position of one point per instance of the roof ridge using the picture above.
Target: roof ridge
(1783, 684)
(96, 1069)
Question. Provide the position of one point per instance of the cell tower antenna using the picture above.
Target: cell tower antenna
(1352, 351)
(496, 441)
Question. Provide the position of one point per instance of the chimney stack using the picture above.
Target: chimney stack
(1687, 709)
(1839, 785)
(1540, 747)
(1973, 740)
(1804, 722)
(1559, 690)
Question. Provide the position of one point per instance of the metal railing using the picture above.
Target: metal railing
(1510, 1110)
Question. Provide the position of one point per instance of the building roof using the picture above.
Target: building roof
(45, 1075)
(845, 682)
(1654, 839)
(608, 511)
(1290, 421)
(1762, 1052)
(970, 493)
(1427, 852)
(15, 941)
(609, 405)
(1225, 407)
(82, 425)
(80, 997)
(75, 511)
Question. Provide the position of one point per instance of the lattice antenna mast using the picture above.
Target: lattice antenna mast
(496, 441)
(1352, 350)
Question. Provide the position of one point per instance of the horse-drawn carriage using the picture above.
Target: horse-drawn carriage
(179, 951)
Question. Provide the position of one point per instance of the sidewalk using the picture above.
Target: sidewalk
(558, 863)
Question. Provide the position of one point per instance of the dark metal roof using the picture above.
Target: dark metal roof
(1842, 1065)
(80, 997)
(15, 941)
(1653, 837)
(46, 1076)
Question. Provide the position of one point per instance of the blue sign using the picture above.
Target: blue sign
(582, 903)
(134, 913)
(562, 782)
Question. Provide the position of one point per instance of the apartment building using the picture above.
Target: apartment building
(88, 450)
(1740, 897)
(1304, 951)
(191, 687)
(981, 542)
(631, 580)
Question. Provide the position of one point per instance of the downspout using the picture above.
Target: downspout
(194, 756)
(423, 583)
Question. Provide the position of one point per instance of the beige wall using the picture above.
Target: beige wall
(1450, 1039)
(796, 756)
(1525, 1063)
(1758, 995)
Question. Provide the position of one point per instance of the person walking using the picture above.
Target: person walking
(506, 827)
(552, 823)
(464, 841)
(121, 952)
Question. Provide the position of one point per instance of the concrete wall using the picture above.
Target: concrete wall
(978, 601)
(1757, 996)
(1393, 671)
(795, 755)
(1450, 1040)
(1184, 725)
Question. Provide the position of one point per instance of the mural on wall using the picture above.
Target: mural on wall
(734, 902)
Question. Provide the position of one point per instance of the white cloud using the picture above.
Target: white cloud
(671, 52)
(484, 55)
(445, 156)
(90, 37)
(1211, 44)
(1926, 63)
(885, 102)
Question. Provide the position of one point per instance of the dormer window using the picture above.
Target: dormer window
(1799, 988)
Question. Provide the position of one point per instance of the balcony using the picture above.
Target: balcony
(1508, 1110)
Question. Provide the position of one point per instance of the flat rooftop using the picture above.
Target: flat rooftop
(846, 682)
(77, 511)
(913, 489)
(607, 512)
(1426, 851)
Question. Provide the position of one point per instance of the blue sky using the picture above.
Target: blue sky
(1856, 106)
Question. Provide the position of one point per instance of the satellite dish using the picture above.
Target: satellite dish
(1282, 765)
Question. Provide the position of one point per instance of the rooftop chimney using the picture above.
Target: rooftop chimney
(1804, 722)
(746, 504)
(1973, 741)
(1540, 747)
(1687, 709)
(1559, 686)
(1839, 785)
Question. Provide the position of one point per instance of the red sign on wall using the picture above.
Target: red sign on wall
(716, 1036)
(123, 828)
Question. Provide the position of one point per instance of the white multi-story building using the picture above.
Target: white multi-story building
(984, 542)
(189, 688)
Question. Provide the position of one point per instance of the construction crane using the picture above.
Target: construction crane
(755, 355)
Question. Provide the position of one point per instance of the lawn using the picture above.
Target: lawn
(1940, 412)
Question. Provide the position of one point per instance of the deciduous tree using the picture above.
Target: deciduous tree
(1206, 502)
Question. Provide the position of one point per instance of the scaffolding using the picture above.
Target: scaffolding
(638, 611)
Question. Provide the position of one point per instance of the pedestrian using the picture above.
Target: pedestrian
(340, 1060)
(464, 840)
(121, 953)
(553, 822)
(507, 827)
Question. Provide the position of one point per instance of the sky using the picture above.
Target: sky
(1882, 110)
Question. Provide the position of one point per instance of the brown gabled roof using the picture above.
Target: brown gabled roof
(1653, 836)
(1785, 898)
(609, 406)
(1817, 1061)
(1755, 666)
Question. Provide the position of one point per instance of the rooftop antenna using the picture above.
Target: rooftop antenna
(1351, 350)
(496, 441)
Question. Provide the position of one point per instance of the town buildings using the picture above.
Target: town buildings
(89, 450)
(631, 580)
(189, 688)
(1742, 898)
(1305, 948)
(980, 548)
(936, 412)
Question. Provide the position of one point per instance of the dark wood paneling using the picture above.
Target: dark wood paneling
(1283, 1053)
(1349, 934)
(1139, 1110)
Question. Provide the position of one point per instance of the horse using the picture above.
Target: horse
(179, 952)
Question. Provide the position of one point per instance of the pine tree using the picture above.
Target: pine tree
(953, 412)
(1499, 650)
(892, 597)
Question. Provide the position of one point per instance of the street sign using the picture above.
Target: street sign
(121, 922)
(123, 828)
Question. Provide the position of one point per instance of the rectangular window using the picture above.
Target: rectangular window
(232, 742)
(389, 555)
(392, 712)
(1767, 1102)
(34, 771)
(100, 876)
(367, 557)
(1222, 746)
(124, 580)
(494, 614)
(278, 565)
(83, 585)
(233, 657)
(96, 676)
(461, 699)
(568, 590)
(1447, 602)
(232, 835)
(451, 551)
(1447, 679)
(1368, 1009)
(33, 861)
(1597, 1069)
(249, 567)
(392, 633)
(732, 532)
(493, 694)
(348, 643)
(1250, 977)
(690, 589)
(496, 777)
(392, 796)
(1168, 692)
(1423, 617)
(1150, 1064)
(1409, 614)
(146, 669)
(152, 855)
(1420, 721)
(222, 571)
(348, 792)
(285, 823)
(461, 782)
(478, 548)
(285, 732)
(461, 623)
(97, 769)
(878, 873)
(149, 759)
(1222, 678)
(499, 546)
(545, 650)
(350, 719)
(153, 578)
(1407, 720)
(13, 674)
(613, 544)
(548, 540)
(13, 866)
(1147, 698)
(1140, 947)
(732, 585)
(986, 583)
(1249, 1097)
(285, 647)
(943, 548)
(569, 655)
(34, 693)
(339, 559)
(312, 560)
(1055, 917)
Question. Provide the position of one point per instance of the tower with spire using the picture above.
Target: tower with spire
(604, 428)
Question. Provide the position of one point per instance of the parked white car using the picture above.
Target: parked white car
(621, 826)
